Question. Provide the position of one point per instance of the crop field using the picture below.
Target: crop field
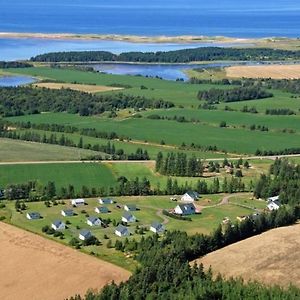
(76, 174)
(150, 209)
(266, 71)
(16, 151)
(266, 258)
(198, 133)
(29, 260)
(88, 88)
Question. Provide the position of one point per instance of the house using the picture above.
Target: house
(130, 207)
(101, 210)
(67, 212)
(76, 202)
(33, 216)
(93, 221)
(157, 227)
(271, 199)
(106, 201)
(273, 205)
(185, 209)
(58, 225)
(122, 231)
(190, 196)
(128, 217)
(85, 234)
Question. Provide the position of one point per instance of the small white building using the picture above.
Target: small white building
(190, 197)
(33, 216)
(130, 207)
(122, 231)
(101, 210)
(93, 221)
(106, 201)
(85, 234)
(157, 227)
(185, 209)
(76, 202)
(273, 205)
(67, 212)
(58, 225)
(128, 217)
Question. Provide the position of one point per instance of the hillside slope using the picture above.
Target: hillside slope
(272, 258)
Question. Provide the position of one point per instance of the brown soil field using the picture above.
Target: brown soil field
(36, 268)
(269, 71)
(272, 258)
(77, 87)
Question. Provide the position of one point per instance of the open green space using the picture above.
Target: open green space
(15, 150)
(150, 209)
(236, 140)
(76, 174)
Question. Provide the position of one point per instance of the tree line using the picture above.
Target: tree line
(14, 64)
(16, 101)
(214, 96)
(62, 140)
(176, 56)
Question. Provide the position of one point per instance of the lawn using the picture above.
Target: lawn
(149, 210)
(15, 150)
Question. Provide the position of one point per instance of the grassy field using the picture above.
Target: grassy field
(88, 88)
(14, 151)
(205, 133)
(266, 258)
(198, 133)
(99, 175)
(178, 93)
(149, 210)
(77, 174)
(271, 71)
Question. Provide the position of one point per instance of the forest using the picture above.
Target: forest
(16, 101)
(177, 56)
(14, 64)
(214, 96)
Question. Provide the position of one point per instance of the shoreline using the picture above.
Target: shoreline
(185, 39)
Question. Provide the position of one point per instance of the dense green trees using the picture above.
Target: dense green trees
(214, 96)
(14, 64)
(178, 165)
(283, 179)
(177, 56)
(15, 101)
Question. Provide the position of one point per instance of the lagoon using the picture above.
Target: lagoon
(15, 80)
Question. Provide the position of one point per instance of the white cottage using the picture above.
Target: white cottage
(76, 202)
(58, 225)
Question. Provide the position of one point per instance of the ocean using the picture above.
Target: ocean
(236, 18)
(248, 19)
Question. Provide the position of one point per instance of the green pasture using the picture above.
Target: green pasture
(14, 150)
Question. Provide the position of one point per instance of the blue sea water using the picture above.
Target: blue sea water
(238, 18)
